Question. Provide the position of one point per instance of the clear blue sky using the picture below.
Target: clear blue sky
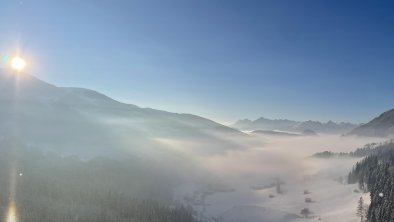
(221, 59)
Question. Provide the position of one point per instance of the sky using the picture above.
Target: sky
(221, 59)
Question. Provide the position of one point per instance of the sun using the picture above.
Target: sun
(18, 63)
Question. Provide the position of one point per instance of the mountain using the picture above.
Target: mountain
(87, 123)
(294, 126)
(381, 126)
(264, 124)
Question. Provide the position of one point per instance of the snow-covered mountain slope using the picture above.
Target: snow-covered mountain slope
(85, 122)
(381, 126)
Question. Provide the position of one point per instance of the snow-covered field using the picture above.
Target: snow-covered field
(242, 184)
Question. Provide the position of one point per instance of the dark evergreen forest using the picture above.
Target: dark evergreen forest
(43, 186)
(375, 174)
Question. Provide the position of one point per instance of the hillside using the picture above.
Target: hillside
(49, 187)
(375, 174)
(381, 126)
(88, 123)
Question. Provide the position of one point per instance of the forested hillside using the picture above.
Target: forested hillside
(364, 151)
(42, 187)
(375, 174)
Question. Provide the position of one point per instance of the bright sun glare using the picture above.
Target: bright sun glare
(18, 63)
(11, 213)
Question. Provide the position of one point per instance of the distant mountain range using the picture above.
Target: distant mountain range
(294, 126)
(381, 126)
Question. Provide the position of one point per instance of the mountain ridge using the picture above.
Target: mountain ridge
(86, 122)
(294, 126)
(380, 126)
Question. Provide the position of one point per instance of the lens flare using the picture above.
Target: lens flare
(11, 213)
(18, 63)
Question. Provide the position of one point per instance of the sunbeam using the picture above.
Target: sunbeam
(11, 212)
